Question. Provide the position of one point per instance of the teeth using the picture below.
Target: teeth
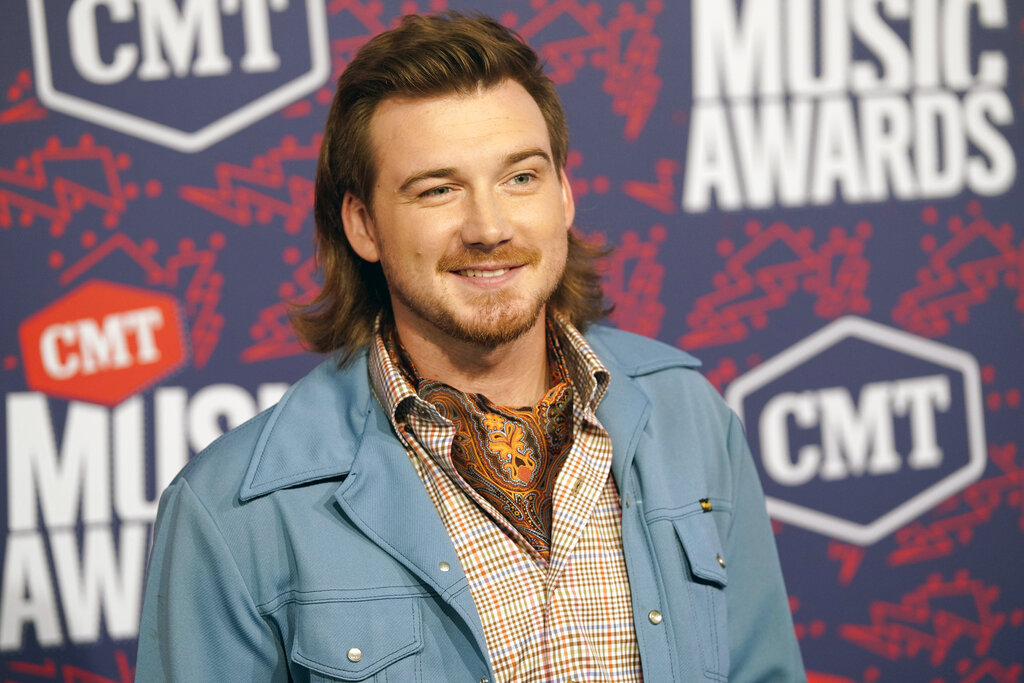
(484, 273)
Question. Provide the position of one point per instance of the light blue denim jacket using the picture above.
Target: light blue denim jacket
(303, 546)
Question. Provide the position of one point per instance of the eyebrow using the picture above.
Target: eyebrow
(425, 175)
(516, 157)
(449, 171)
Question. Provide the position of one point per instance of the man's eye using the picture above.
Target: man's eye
(437, 191)
(522, 179)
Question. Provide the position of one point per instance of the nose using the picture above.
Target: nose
(486, 224)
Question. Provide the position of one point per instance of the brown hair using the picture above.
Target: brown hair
(423, 57)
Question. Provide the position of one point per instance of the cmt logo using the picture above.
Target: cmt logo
(860, 428)
(180, 73)
(102, 343)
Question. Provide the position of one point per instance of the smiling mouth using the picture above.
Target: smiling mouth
(484, 265)
(469, 272)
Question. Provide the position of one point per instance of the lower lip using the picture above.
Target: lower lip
(489, 282)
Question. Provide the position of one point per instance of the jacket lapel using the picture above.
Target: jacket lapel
(623, 411)
(385, 498)
(330, 425)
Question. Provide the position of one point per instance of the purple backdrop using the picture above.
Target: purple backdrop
(818, 198)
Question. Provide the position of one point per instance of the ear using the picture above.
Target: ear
(359, 228)
(568, 204)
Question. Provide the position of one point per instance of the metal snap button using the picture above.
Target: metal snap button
(444, 566)
(721, 561)
(654, 616)
(355, 654)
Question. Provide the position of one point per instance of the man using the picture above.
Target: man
(468, 489)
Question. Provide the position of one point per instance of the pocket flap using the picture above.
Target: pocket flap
(353, 640)
(703, 548)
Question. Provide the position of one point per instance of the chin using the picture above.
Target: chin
(493, 329)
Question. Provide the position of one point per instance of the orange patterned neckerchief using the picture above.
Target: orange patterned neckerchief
(510, 456)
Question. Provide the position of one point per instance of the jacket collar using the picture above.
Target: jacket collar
(315, 430)
(320, 425)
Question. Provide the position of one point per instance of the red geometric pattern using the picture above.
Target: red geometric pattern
(989, 670)
(367, 16)
(188, 272)
(581, 187)
(632, 282)
(921, 623)
(815, 629)
(995, 399)
(961, 514)
(247, 193)
(272, 332)
(961, 273)
(849, 558)
(661, 194)
(986, 670)
(624, 47)
(40, 186)
(275, 184)
(765, 273)
(366, 13)
(24, 106)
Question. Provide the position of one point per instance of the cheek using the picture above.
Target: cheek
(404, 245)
(556, 251)
(549, 221)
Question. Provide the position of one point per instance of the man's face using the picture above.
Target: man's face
(469, 217)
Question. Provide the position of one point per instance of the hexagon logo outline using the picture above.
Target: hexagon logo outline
(168, 136)
(145, 343)
(902, 342)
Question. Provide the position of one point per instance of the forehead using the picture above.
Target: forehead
(455, 130)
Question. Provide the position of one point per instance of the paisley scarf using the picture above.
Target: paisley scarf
(510, 456)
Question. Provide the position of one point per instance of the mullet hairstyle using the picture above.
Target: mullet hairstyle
(423, 57)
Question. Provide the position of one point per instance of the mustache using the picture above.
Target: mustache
(512, 255)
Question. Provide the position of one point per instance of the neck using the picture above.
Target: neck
(513, 374)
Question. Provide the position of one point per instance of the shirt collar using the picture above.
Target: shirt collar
(389, 383)
(588, 374)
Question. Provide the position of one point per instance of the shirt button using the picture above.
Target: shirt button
(355, 654)
(444, 566)
(485, 680)
(721, 561)
(654, 616)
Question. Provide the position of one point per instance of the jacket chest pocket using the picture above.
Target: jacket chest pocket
(365, 640)
(702, 550)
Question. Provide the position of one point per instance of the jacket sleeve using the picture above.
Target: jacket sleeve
(763, 645)
(199, 622)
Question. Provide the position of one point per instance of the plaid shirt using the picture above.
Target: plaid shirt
(566, 620)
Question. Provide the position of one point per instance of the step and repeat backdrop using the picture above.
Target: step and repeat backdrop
(821, 199)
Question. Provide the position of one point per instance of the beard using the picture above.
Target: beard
(501, 318)
(496, 318)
